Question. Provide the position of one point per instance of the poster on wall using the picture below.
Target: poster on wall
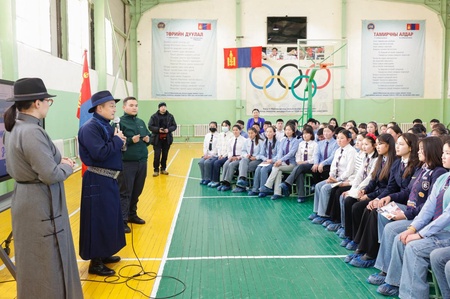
(392, 61)
(184, 59)
(270, 89)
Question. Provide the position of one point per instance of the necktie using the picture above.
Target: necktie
(270, 150)
(366, 166)
(287, 150)
(402, 167)
(325, 154)
(234, 147)
(337, 163)
(211, 142)
(305, 153)
(252, 148)
(440, 200)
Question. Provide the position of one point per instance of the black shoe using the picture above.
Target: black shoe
(136, 220)
(126, 228)
(111, 260)
(98, 268)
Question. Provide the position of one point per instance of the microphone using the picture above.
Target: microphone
(117, 121)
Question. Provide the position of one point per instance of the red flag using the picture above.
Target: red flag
(83, 100)
(230, 55)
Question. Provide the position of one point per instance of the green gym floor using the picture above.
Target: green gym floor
(227, 245)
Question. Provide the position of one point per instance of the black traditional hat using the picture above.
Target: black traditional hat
(28, 89)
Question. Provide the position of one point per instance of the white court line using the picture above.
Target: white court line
(173, 158)
(169, 238)
(214, 196)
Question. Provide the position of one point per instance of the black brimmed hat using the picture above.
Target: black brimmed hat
(28, 89)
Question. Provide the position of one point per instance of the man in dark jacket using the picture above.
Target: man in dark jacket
(161, 124)
(132, 178)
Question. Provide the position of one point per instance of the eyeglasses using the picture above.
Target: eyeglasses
(49, 101)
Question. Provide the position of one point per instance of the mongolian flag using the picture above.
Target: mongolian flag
(84, 102)
(412, 26)
(242, 57)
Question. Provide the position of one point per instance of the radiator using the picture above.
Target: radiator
(406, 126)
(59, 143)
(177, 132)
(201, 130)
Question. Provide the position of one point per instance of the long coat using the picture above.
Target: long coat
(45, 256)
(101, 224)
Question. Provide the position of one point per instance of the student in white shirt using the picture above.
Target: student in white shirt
(235, 146)
(222, 153)
(210, 149)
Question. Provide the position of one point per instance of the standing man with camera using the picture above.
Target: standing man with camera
(161, 124)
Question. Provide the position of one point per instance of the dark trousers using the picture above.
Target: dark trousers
(298, 176)
(161, 152)
(367, 234)
(351, 224)
(321, 176)
(131, 183)
(216, 169)
(334, 205)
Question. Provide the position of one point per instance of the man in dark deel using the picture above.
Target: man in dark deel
(161, 124)
(132, 178)
(101, 224)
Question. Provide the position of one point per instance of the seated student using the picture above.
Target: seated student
(241, 124)
(359, 182)
(350, 124)
(383, 129)
(297, 132)
(222, 153)
(320, 136)
(279, 129)
(333, 122)
(417, 121)
(434, 122)
(342, 167)
(251, 157)
(362, 128)
(377, 185)
(392, 123)
(397, 191)
(419, 130)
(324, 155)
(355, 133)
(439, 130)
(269, 150)
(305, 160)
(395, 131)
(284, 161)
(333, 207)
(410, 255)
(234, 147)
(314, 123)
(372, 128)
(210, 149)
(262, 136)
(430, 153)
(267, 123)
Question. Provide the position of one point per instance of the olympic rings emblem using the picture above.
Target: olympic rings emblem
(285, 85)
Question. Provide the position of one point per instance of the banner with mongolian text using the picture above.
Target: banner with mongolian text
(184, 59)
(280, 87)
(392, 59)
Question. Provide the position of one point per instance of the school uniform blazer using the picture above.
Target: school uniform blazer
(312, 147)
(248, 145)
(215, 142)
(320, 152)
(289, 155)
(397, 188)
(426, 179)
(264, 154)
(377, 186)
(222, 146)
(239, 145)
(424, 222)
(345, 164)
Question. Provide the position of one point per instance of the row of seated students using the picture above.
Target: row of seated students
(384, 194)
